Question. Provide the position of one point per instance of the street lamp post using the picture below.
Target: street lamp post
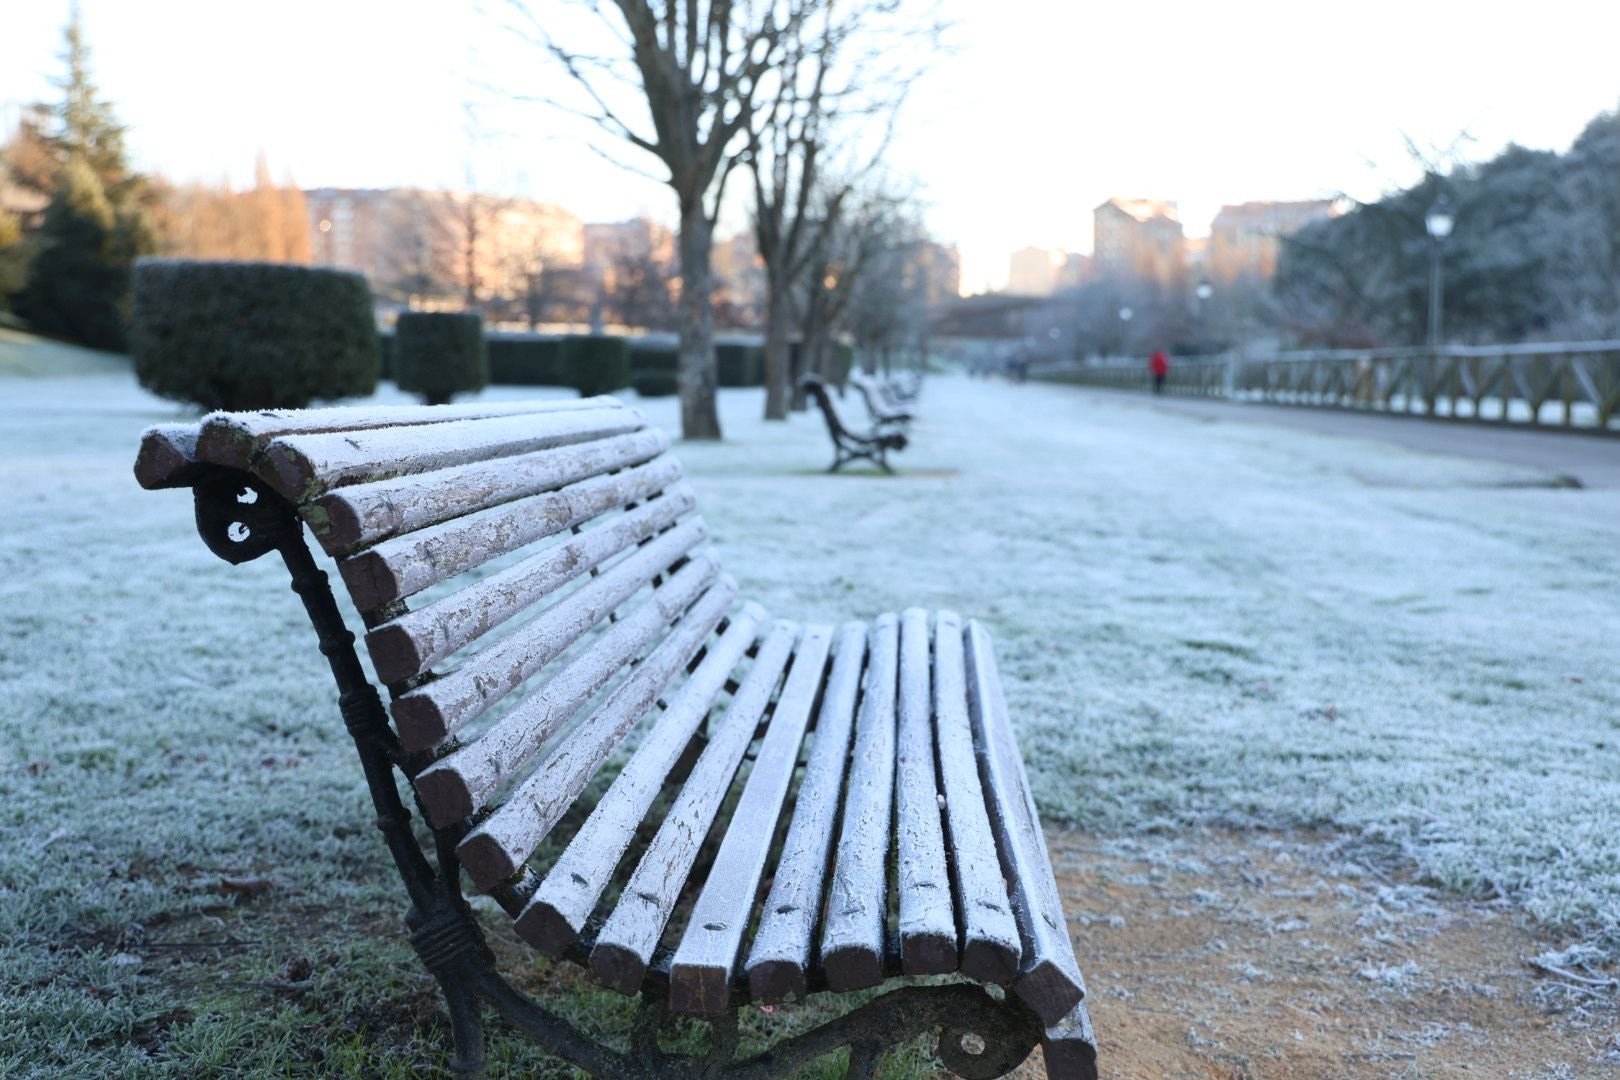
(1438, 221)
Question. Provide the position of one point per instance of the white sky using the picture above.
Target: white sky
(1043, 108)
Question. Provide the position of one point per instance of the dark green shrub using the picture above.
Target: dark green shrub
(596, 363)
(740, 365)
(438, 354)
(525, 360)
(385, 355)
(645, 357)
(840, 362)
(252, 335)
(653, 383)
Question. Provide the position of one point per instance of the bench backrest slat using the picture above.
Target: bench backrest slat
(429, 713)
(363, 514)
(625, 945)
(779, 958)
(556, 913)
(495, 850)
(464, 781)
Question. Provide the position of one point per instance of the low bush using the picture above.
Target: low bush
(385, 355)
(525, 360)
(651, 383)
(740, 365)
(237, 336)
(438, 354)
(596, 363)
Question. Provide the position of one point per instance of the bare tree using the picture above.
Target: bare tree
(699, 66)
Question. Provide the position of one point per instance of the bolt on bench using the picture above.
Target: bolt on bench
(704, 806)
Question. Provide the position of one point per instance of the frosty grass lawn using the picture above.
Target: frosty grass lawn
(1199, 623)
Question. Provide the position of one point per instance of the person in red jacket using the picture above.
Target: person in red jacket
(1159, 367)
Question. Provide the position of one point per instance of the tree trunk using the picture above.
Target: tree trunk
(698, 377)
(777, 354)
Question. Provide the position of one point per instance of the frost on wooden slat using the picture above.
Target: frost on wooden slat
(362, 514)
(495, 850)
(628, 937)
(412, 643)
(858, 899)
(705, 961)
(429, 713)
(928, 939)
(305, 467)
(1049, 979)
(1070, 1047)
(557, 911)
(779, 959)
(408, 564)
(990, 943)
(168, 457)
(465, 780)
(232, 439)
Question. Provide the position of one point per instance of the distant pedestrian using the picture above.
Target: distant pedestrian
(1159, 367)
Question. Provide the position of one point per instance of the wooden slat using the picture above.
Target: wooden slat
(233, 439)
(858, 898)
(427, 715)
(304, 467)
(362, 514)
(464, 781)
(705, 961)
(411, 644)
(168, 457)
(495, 850)
(928, 932)
(779, 959)
(990, 942)
(1070, 1047)
(557, 911)
(628, 937)
(1049, 979)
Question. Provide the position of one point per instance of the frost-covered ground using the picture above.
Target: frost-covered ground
(1198, 623)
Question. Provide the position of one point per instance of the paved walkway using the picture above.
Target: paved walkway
(1592, 461)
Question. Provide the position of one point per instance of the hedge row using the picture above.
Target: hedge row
(438, 354)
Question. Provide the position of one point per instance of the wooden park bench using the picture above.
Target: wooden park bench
(880, 406)
(850, 445)
(700, 804)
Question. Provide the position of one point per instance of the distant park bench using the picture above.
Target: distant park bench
(884, 826)
(850, 445)
(881, 403)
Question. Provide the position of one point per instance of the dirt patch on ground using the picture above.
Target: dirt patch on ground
(1227, 955)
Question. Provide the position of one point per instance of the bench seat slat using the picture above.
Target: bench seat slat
(1070, 1047)
(852, 940)
(990, 942)
(428, 714)
(628, 937)
(1049, 980)
(555, 914)
(465, 780)
(168, 457)
(362, 514)
(779, 958)
(928, 933)
(305, 467)
(701, 975)
(411, 644)
(495, 850)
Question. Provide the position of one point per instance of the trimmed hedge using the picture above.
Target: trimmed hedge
(438, 354)
(525, 360)
(740, 365)
(385, 355)
(652, 383)
(595, 363)
(238, 336)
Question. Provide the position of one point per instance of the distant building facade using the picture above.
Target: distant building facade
(1246, 238)
(1033, 271)
(938, 270)
(1139, 238)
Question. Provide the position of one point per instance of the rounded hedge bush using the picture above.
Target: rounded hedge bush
(653, 383)
(239, 336)
(438, 354)
(596, 363)
(525, 360)
(740, 365)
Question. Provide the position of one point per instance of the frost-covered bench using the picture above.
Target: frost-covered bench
(880, 404)
(702, 805)
(850, 445)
